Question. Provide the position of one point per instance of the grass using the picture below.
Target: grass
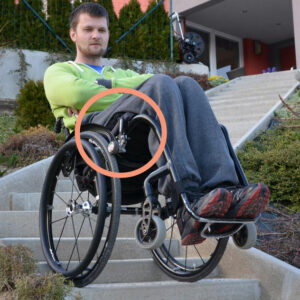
(294, 103)
(7, 127)
(273, 158)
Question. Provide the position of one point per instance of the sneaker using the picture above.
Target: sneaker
(247, 203)
(212, 205)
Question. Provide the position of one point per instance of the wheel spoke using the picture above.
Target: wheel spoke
(79, 196)
(61, 198)
(60, 220)
(76, 238)
(91, 226)
(73, 177)
(73, 182)
(172, 226)
(66, 218)
(185, 257)
(92, 236)
(199, 254)
(170, 240)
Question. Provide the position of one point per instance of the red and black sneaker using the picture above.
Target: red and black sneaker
(247, 203)
(212, 205)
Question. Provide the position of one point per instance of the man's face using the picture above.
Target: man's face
(90, 36)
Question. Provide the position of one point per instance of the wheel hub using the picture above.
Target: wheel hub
(86, 208)
(73, 208)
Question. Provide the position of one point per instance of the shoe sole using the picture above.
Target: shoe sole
(255, 204)
(216, 206)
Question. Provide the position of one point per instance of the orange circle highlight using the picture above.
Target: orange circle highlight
(148, 164)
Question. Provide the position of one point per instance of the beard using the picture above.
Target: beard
(92, 54)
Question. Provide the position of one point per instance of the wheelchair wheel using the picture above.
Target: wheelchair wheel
(246, 237)
(79, 211)
(155, 238)
(187, 263)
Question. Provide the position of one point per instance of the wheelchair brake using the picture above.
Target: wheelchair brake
(118, 145)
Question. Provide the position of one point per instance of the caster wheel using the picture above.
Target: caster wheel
(189, 57)
(246, 237)
(156, 236)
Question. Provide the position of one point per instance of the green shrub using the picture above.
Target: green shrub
(294, 103)
(274, 159)
(29, 146)
(133, 45)
(38, 287)
(33, 107)
(15, 263)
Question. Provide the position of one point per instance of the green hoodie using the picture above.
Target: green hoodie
(71, 84)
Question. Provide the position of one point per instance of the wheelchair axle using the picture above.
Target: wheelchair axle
(73, 208)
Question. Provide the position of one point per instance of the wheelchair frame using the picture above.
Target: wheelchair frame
(151, 208)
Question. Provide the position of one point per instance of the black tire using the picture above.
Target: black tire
(80, 257)
(189, 57)
(112, 220)
(188, 263)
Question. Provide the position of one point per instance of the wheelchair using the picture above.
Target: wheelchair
(80, 209)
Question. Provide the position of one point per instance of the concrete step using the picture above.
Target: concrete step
(124, 248)
(244, 108)
(130, 271)
(206, 289)
(237, 129)
(236, 101)
(31, 201)
(240, 115)
(261, 86)
(270, 76)
(254, 93)
(26, 224)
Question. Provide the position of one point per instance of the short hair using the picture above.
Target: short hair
(91, 8)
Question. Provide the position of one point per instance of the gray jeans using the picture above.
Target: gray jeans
(194, 137)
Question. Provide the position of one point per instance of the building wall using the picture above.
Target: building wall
(287, 58)
(296, 18)
(182, 5)
(255, 63)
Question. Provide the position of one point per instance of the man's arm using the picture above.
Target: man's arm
(128, 78)
(64, 88)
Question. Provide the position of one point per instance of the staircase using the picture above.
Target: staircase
(131, 272)
(243, 102)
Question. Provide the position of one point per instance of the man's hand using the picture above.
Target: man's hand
(105, 82)
(73, 111)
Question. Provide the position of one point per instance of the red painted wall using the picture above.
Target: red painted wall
(287, 58)
(255, 63)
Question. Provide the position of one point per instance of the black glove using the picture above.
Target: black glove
(105, 82)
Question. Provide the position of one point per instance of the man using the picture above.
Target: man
(196, 142)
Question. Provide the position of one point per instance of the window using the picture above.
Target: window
(227, 52)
